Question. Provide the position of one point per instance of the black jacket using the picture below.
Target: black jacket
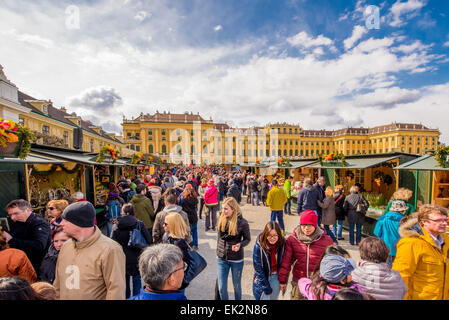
(190, 206)
(125, 225)
(350, 206)
(225, 241)
(253, 186)
(234, 192)
(48, 265)
(181, 244)
(265, 188)
(33, 237)
(340, 212)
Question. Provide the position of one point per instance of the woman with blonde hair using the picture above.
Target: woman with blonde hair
(402, 194)
(175, 233)
(233, 235)
(54, 211)
(340, 213)
(328, 215)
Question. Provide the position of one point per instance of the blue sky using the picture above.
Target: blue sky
(246, 62)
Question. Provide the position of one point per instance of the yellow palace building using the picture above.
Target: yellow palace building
(190, 138)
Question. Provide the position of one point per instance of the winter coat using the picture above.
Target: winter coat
(387, 228)
(15, 263)
(262, 268)
(190, 206)
(143, 209)
(328, 215)
(308, 199)
(222, 187)
(181, 244)
(225, 241)
(288, 188)
(265, 188)
(211, 196)
(155, 193)
(276, 199)
(421, 263)
(350, 206)
(304, 286)
(48, 266)
(304, 252)
(380, 281)
(234, 192)
(201, 190)
(32, 237)
(93, 269)
(125, 225)
(159, 295)
(127, 195)
(158, 227)
(340, 213)
(253, 186)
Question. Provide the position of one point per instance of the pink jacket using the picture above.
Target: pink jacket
(211, 196)
(304, 288)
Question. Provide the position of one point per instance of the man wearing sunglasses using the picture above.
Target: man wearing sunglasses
(422, 255)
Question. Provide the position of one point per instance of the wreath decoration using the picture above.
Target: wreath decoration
(137, 158)
(108, 149)
(349, 175)
(379, 177)
(388, 180)
(441, 156)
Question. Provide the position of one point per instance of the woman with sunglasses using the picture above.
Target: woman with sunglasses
(267, 257)
(175, 233)
(54, 211)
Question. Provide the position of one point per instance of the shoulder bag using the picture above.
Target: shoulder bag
(136, 238)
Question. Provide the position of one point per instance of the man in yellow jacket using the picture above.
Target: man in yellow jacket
(421, 256)
(276, 199)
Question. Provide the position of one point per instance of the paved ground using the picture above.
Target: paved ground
(203, 287)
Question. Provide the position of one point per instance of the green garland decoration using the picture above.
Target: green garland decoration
(379, 175)
(441, 156)
(75, 169)
(45, 173)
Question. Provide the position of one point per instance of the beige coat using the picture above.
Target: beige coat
(93, 269)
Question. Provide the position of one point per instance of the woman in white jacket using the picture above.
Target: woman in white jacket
(373, 273)
(201, 190)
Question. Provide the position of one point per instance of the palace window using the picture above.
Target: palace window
(137, 148)
(150, 132)
(65, 136)
(150, 148)
(45, 129)
(91, 145)
(164, 148)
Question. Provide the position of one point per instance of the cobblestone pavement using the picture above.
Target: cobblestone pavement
(203, 287)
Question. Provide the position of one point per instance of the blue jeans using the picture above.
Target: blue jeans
(280, 215)
(256, 196)
(358, 236)
(223, 267)
(330, 233)
(275, 286)
(194, 229)
(338, 228)
(137, 285)
(288, 206)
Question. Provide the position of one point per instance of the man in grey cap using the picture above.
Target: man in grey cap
(91, 266)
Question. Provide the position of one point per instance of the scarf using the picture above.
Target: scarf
(309, 239)
(273, 259)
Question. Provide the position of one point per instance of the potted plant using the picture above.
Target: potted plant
(15, 139)
(108, 152)
(332, 159)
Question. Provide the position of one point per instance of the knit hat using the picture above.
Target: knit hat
(309, 217)
(81, 214)
(398, 206)
(334, 268)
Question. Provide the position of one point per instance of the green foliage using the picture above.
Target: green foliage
(375, 199)
(27, 139)
(441, 156)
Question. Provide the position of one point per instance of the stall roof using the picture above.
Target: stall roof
(78, 157)
(358, 163)
(294, 164)
(33, 158)
(426, 162)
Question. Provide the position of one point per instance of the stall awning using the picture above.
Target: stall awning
(358, 163)
(294, 164)
(33, 158)
(426, 162)
(253, 165)
(77, 157)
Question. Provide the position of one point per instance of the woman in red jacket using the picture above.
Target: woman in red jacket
(306, 246)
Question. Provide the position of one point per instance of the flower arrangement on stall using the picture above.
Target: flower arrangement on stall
(137, 158)
(108, 149)
(379, 177)
(11, 132)
(332, 158)
(442, 156)
(283, 162)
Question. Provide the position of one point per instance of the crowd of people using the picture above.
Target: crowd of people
(142, 246)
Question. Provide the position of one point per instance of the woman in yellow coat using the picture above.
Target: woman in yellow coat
(422, 254)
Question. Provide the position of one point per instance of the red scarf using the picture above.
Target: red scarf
(273, 259)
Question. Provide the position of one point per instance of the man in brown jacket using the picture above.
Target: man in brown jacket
(91, 266)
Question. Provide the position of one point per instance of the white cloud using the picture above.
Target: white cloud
(218, 28)
(416, 46)
(409, 8)
(357, 34)
(142, 15)
(387, 98)
(302, 39)
(29, 38)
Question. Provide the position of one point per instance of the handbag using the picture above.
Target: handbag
(136, 238)
(360, 208)
(196, 266)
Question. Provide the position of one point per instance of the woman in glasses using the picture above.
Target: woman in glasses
(175, 233)
(233, 235)
(54, 211)
(267, 257)
(48, 266)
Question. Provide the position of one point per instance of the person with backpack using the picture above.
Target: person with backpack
(125, 191)
(113, 208)
(143, 207)
(355, 205)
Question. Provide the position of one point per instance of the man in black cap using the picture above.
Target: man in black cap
(91, 266)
